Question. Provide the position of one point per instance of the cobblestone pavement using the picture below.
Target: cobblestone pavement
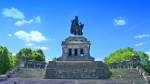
(68, 81)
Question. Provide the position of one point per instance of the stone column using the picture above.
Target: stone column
(78, 52)
(73, 52)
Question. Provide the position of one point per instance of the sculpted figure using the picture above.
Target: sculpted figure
(76, 27)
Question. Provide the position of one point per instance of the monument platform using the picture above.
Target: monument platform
(76, 61)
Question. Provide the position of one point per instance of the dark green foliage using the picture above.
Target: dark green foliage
(144, 57)
(7, 61)
(4, 60)
(146, 66)
(37, 55)
(25, 52)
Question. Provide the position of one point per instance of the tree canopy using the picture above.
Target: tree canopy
(37, 55)
(7, 61)
(125, 54)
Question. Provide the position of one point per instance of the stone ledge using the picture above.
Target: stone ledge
(72, 81)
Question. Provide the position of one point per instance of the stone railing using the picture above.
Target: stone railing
(3, 77)
(132, 63)
(34, 64)
(8, 74)
(144, 74)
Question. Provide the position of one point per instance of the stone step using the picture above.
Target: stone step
(71, 81)
(125, 74)
(29, 73)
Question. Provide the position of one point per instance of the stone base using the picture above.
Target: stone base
(77, 70)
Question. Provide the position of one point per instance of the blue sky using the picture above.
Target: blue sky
(109, 24)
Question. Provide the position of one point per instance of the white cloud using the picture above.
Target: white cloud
(10, 35)
(42, 48)
(19, 17)
(139, 44)
(13, 13)
(119, 22)
(142, 36)
(33, 36)
(22, 22)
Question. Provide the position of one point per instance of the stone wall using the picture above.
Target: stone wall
(31, 73)
(26, 63)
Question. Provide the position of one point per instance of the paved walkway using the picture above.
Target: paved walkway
(68, 81)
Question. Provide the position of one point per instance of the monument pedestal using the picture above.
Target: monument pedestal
(77, 70)
(76, 61)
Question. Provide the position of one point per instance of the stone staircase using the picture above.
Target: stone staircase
(29, 73)
(35, 76)
(126, 74)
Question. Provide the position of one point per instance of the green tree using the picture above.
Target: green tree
(38, 55)
(143, 56)
(42, 56)
(5, 63)
(146, 66)
(27, 52)
(125, 54)
(128, 53)
(13, 60)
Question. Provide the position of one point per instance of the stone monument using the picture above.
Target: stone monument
(76, 61)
